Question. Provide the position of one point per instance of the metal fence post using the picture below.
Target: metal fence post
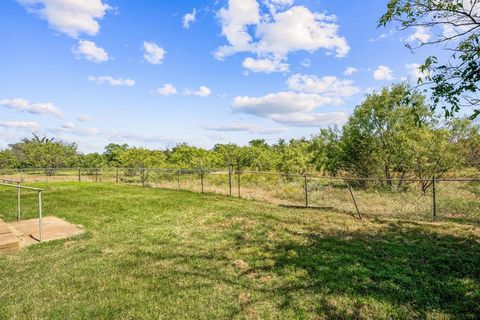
(79, 175)
(201, 178)
(143, 177)
(18, 204)
(40, 226)
(178, 179)
(230, 181)
(116, 175)
(238, 182)
(305, 187)
(434, 197)
(96, 175)
(354, 201)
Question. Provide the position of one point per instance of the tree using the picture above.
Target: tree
(454, 83)
(7, 160)
(91, 161)
(140, 158)
(112, 153)
(294, 157)
(326, 150)
(391, 137)
(44, 153)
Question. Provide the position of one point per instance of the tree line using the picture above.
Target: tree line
(392, 136)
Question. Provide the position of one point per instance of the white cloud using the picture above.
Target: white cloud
(20, 125)
(84, 118)
(306, 63)
(69, 125)
(265, 65)
(383, 73)
(72, 17)
(291, 108)
(420, 34)
(189, 18)
(234, 20)
(126, 136)
(153, 53)
(275, 34)
(384, 35)
(112, 81)
(244, 127)
(414, 71)
(203, 91)
(350, 71)
(167, 90)
(23, 105)
(300, 29)
(312, 119)
(89, 51)
(282, 103)
(327, 86)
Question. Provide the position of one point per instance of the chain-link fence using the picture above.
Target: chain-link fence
(451, 199)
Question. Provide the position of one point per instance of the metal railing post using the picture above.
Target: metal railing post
(116, 176)
(96, 175)
(434, 197)
(79, 175)
(201, 178)
(143, 177)
(18, 203)
(40, 225)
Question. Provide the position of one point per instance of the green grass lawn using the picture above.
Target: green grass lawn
(152, 253)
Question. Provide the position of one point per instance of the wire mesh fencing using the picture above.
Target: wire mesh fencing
(452, 199)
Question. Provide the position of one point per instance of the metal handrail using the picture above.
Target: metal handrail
(10, 181)
(39, 191)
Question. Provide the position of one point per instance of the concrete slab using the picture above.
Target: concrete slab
(53, 228)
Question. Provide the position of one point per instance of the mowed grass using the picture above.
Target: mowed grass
(164, 254)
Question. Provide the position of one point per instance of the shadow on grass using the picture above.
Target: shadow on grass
(402, 266)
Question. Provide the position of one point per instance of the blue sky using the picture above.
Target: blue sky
(156, 73)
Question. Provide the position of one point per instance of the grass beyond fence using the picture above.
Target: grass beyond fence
(446, 199)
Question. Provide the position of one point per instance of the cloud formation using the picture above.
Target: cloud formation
(328, 85)
(189, 18)
(152, 53)
(203, 91)
(69, 16)
(88, 50)
(20, 125)
(23, 105)
(166, 90)
(383, 73)
(244, 127)
(112, 81)
(265, 65)
(275, 34)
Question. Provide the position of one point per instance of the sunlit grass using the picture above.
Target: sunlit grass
(152, 253)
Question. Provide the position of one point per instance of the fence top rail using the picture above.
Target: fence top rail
(20, 187)
(10, 180)
(216, 170)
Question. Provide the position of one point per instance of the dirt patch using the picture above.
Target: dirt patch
(27, 231)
